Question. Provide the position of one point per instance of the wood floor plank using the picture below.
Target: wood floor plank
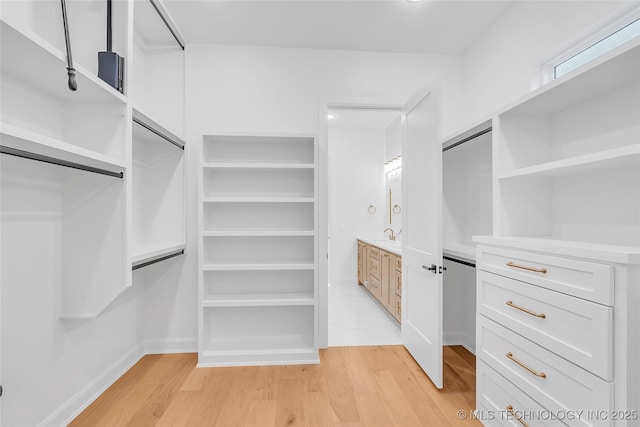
(351, 387)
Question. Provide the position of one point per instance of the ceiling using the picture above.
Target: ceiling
(429, 26)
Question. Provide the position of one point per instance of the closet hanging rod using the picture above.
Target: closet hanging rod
(160, 134)
(166, 22)
(459, 261)
(52, 160)
(153, 261)
(467, 139)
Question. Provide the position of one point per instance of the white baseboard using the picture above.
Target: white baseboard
(171, 345)
(81, 400)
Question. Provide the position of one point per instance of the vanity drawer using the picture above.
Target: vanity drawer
(374, 252)
(398, 263)
(500, 402)
(374, 267)
(588, 280)
(578, 330)
(398, 308)
(398, 282)
(548, 378)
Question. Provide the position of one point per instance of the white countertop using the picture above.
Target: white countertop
(393, 246)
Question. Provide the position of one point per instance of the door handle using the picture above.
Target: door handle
(431, 269)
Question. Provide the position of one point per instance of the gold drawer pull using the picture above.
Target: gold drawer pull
(541, 374)
(512, 412)
(524, 267)
(517, 307)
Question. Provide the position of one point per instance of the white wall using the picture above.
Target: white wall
(356, 180)
(506, 63)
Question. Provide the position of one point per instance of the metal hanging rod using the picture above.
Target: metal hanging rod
(52, 160)
(467, 139)
(153, 261)
(164, 19)
(160, 134)
(459, 261)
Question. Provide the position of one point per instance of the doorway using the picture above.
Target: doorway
(360, 142)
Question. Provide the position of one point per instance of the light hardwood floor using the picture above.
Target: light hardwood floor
(352, 386)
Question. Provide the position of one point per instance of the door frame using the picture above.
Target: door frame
(323, 203)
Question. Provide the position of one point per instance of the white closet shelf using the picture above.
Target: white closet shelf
(257, 266)
(603, 75)
(157, 132)
(257, 233)
(258, 300)
(622, 157)
(33, 142)
(21, 49)
(143, 253)
(257, 165)
(258, 198)
(607, 253)
(460, 251)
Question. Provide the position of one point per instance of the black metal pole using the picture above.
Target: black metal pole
(73, 85)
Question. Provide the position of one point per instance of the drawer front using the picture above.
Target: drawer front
(588, 280)
(374, 252)
(549, 379)
(398, 282)
(398, 307)
(398, 263)
(499, 402)
(578, 330)
(374, 267)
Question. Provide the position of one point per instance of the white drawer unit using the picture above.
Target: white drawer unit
(575, 329)
(543, 344)
(549, 379)
(500, 403)
(588, 280)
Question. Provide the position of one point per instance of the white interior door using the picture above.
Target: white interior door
(422, 241)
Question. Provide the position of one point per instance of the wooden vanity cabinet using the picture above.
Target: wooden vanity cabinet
(381, 273)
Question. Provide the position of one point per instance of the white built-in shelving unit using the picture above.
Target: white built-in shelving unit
(568, 165)
(90, 181)
(557, 279)
(258, 279)
(158, 224)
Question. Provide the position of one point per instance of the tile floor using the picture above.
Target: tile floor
(356, 318)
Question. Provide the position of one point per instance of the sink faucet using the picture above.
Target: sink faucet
(392, 236)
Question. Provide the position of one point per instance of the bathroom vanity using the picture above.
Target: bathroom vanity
(380, 272)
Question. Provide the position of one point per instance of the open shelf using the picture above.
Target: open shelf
(257, 233)
(32, 142)
(259, 198)
(226, 283)
(258, 300)
(158, 199)
(147, 253)
(264, 266)
(259, 182)
(35, 98)
(41, 20)
(222, 165)
(460, 251)
(287, 151)
(157, 61)
(72, 223)
(621, 157)
(259, 335)
(258, 250)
